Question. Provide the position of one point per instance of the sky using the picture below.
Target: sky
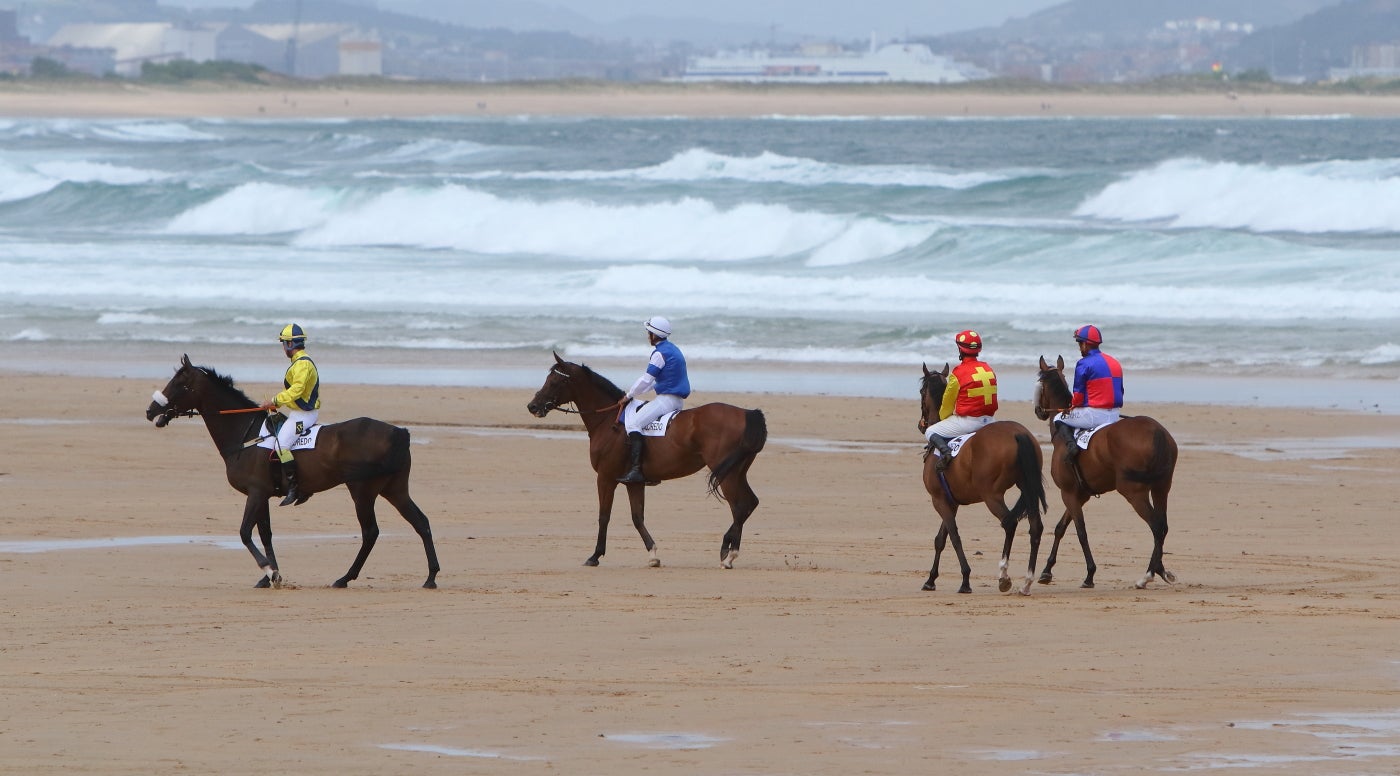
(834, 18)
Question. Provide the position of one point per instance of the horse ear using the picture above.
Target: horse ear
(557, 359)
(1060, 362)
(185, 360)
(1043, 366)
(925, 366)
(945, 369)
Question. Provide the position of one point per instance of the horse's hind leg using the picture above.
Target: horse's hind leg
(1156, 519)
(637, 498)
(742, 502)
(364, 495)
(397, 495)
(255, 513)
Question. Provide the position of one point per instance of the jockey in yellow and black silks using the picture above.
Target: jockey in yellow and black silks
(299, 401)
(969, 401)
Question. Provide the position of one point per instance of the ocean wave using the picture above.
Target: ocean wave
(687, 229)
(1337, 196)
(699, 165)
(257, 209)
(98, 172)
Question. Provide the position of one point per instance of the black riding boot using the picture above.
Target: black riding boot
(293, 495)
(634, 475)
(945, 455)
(1071, 446)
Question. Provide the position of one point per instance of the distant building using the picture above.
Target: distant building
(132, 45)
(315, 50)
(1377, 60)
(895, 62)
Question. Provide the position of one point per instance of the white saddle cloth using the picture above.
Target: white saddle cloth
(1083, 435)
(657, 427)
(304, 442)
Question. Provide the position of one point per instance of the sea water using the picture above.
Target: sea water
(1229, 247)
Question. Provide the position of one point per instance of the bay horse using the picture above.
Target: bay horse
(721, 436)
(369, 456)
(1135, 456)
(1001, 454)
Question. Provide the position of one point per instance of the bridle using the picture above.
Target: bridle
(1045, 413)
(550, 406)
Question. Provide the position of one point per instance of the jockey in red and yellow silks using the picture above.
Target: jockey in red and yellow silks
(969, 400)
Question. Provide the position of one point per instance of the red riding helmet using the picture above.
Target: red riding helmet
(1089, 334)
(969, 342)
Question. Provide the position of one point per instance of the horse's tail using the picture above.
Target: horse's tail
(750, 443)
(1030, 479)
(1163, 461)
(395, 459)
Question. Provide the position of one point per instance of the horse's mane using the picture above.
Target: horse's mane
(1054, 379)
(601, 383)
(224, 381)
(926, 381)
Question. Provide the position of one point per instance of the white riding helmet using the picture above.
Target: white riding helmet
(659, 326)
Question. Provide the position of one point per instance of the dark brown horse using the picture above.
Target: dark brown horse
(1135, 456)
(1000, 455)
(370, 456)
(721, 436)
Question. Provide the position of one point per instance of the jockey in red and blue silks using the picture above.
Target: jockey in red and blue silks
(1098, 384)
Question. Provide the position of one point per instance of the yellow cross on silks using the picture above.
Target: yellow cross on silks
(988, 390)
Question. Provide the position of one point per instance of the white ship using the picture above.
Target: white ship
(894, 62)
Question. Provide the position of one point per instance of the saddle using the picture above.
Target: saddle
(954, 445)
(1083, 435)
(656, 428)
(267, 435)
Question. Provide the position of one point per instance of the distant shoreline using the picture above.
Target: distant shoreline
(583, 99)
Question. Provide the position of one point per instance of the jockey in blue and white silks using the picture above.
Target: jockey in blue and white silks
(666, 374)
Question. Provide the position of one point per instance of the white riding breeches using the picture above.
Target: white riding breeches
(662, 404)
(1087, 417)
(957, 425)
(298, 421)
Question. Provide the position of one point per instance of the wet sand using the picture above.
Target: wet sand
(135, 642)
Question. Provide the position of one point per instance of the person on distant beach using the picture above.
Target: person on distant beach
(299, 403)
(1098, 390)
(666, 373)
(969, 400)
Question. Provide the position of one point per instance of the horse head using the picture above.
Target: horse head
(177, 398)
(1051, 380)
(557, 389)
(931, 396)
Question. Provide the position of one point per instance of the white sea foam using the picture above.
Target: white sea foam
(1316, 198)
(97, 172)
(151, 132)
(256, 209)
(699, 164)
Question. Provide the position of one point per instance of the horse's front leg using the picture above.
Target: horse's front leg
(255, 513)
(940, 540)
(949, 531)
(607, 487)
(636, 498)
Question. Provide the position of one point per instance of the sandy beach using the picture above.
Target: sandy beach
(135, 642)
(652, 100)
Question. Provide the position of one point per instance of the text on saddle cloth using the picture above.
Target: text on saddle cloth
(306, 441)
(656, 428)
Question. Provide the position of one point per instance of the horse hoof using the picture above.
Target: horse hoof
(1045, 579)
(654, 563)
(341, 583)
(928, 586)
(591, 562)
(1170, 577)
(965, 589)
(1086, 585)
(1004, 584)
(430, 585)
(263, 583)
